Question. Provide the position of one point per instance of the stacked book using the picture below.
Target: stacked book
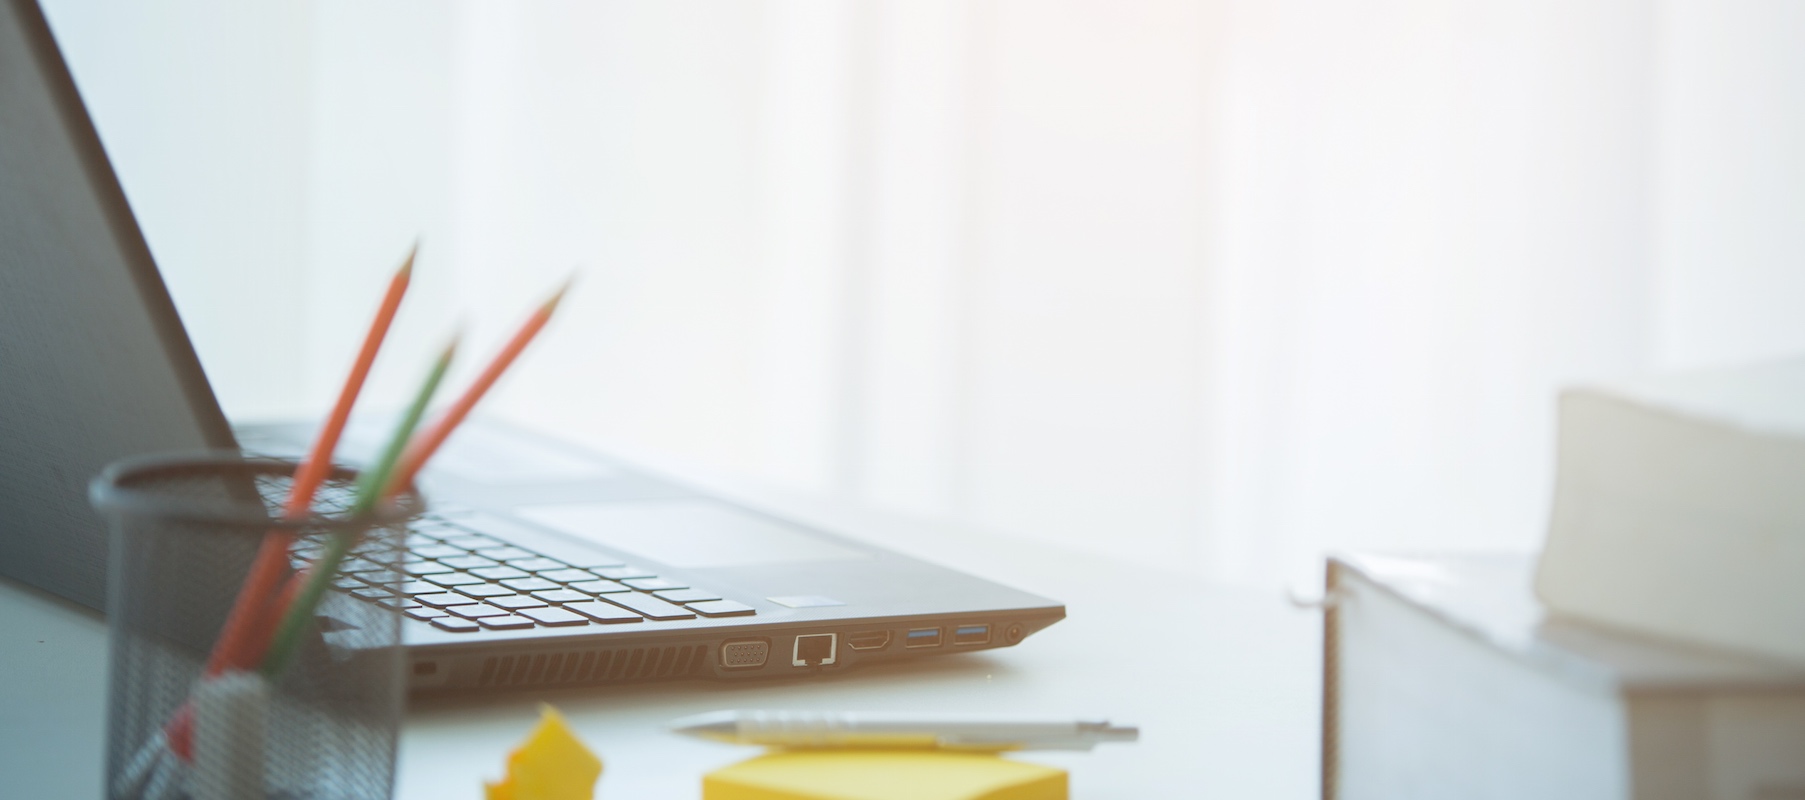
(1656, 649)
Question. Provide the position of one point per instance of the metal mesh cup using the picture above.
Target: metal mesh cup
(185, 531)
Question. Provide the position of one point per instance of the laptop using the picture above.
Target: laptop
(538, 564)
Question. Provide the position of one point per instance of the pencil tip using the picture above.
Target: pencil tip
(407, 264)
(558, 296)
(451, 346)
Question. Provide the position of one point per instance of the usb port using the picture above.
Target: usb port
(868, 640)
(971, 634)
(922, 637)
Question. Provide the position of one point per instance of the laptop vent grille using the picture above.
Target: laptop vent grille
(593, 666)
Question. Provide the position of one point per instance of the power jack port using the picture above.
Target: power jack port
(815, 650)
(1013, 634)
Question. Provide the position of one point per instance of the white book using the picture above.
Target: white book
(1679, 508)
(1444, 679)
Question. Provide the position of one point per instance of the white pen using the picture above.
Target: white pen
(809, 729)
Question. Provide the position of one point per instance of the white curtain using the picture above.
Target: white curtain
(1209, 285)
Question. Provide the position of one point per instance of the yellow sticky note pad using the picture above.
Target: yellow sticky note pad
(883, 775)
(552, 764)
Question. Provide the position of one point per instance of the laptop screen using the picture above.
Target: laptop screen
(94, 363)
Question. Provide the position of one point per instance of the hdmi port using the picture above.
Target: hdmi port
(868, 640)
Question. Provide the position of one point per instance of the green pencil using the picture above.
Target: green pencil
(370, 491)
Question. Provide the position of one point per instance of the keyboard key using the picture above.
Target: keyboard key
(454, 579)
(599, 587)
(722, 608)
(347, 583)
(687, 595)
(455, 624)
(516, 601)
(474, 541)
(420, 587)
(649, 606)
(370, 544)
(424, 614)
(444, 600)
(437, 551)
(479, 611)
(468, 562)
(619, 573)
(537, 563)
(604, 612)
(394, 602)
(654, 584)
(427, 568)
(566, 575)
(354, 565)
(418, 539)
(498, 573)
(484, 590)
(529, 584)
(562, 596)
(372, 593)
(555, 617)
(508, 623)
(505, 553)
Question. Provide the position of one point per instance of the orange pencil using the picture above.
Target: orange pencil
(241, 641)
(272, 558)
(427, 443)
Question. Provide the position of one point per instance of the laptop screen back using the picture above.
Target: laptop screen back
(94, 363)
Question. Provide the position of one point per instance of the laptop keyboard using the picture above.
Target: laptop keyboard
(463, 580)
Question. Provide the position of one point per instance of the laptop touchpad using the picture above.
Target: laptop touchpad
(688, 533)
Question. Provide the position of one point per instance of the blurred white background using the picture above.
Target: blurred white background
(1211, 285)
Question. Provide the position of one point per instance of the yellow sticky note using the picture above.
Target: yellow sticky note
(552, 764)
(884, 775)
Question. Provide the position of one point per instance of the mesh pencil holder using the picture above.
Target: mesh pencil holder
(186, 530)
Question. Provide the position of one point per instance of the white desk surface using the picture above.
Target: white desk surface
(1224, 682)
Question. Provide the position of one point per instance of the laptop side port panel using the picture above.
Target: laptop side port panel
(868, 640)
(971, 635)
(922, 637)
(745, 653)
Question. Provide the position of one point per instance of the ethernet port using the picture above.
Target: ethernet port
(815, 650)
